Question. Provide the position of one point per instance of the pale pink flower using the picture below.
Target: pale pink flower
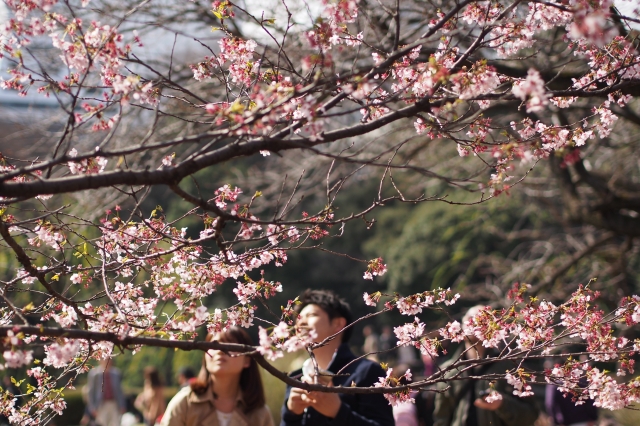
(371, 300)
(16, 358)
(532, 91)
(59, 354)
(493, 396)
(408, 333)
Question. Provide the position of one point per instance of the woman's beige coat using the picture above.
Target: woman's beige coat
(190, 409)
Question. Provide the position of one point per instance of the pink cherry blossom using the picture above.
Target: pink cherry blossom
(16, 358)
(532, 91)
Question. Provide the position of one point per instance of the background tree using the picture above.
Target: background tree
(184, 166)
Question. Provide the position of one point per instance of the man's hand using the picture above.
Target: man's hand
(327, 404)
(491, 406)
(296, 404)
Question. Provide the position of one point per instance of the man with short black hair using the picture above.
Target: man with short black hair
(322, 312)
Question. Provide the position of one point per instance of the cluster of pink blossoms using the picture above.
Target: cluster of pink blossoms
(225, 194)
(84, 48)
(256, 289)
(376, 267)
(532, 91)
(283, 338)
(60, 353)
(413, 304)
(539, 326)
(48, 234)
(396, 398)
(90, 165)
(276, 233)
(237, 55)
(333, 30)
(479, 80)
(518, 380)
(412, 334)
(16, 358)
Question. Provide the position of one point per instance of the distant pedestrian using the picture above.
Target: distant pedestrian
(428, 365)
(564, 411)
(185, 374)
(371, 344)
(465, 402)
(405, 413)
(408, 355)
(227, 392)
(151, 402)
(386, 342)
(105, 398)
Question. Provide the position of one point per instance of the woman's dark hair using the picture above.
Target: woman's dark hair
(152, 374)
(250, 380)
(331, 303)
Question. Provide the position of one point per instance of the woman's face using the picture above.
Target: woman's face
(219, 363)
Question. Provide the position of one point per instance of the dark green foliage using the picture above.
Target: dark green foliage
(74, 411)
(167, 361)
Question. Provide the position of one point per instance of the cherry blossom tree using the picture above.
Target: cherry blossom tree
(308, 99)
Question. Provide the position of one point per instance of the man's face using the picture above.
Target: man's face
(314, 318)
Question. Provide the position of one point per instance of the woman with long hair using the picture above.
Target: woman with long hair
(227, 392)
(151, 402)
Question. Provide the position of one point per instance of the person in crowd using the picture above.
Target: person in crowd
(132, 417)
(151, 401)
(386, 342)
(325, 314)
(464, 403)
(405, 413)
(370, 346)
(563, 409)
(185, 374)
(428, 365)
(227, 392)
(105, 398)
(87, 419)
(408, 355)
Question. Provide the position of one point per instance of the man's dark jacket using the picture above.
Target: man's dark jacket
(356, 409)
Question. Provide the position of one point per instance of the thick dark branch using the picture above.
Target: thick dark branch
(126, 341)
(173, 175)
(167, 176)
(186, 345)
